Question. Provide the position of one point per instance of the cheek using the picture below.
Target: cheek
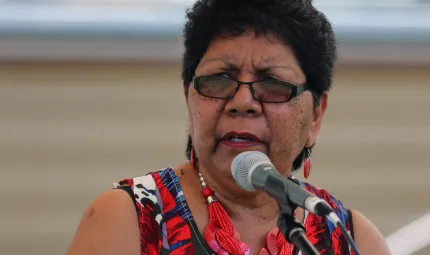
(287, 130)
(203, 116)
(289, 127)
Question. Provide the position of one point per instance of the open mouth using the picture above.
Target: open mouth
(241, 137)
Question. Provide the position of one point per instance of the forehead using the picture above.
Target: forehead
(248, 50)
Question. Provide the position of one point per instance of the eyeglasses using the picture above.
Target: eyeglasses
(266, 90)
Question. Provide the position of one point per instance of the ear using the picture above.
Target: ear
(190, 119)
(186, 88)
(318, 115)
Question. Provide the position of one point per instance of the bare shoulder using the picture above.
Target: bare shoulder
(368, 238)
(108, 226)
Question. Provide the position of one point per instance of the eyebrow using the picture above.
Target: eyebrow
(226, 59)
(268, 68)
(264, 64)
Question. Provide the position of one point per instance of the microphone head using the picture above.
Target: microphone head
(242, 165)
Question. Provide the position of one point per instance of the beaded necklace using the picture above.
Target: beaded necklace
(224, 239)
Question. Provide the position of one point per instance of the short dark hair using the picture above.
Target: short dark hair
(295, 22)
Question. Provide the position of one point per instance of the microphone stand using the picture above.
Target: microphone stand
(294, 231)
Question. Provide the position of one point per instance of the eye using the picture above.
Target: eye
(267, 78)
(225, 75)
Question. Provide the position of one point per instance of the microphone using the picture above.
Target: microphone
(253, 170)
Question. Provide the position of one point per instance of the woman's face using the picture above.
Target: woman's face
(223, 128)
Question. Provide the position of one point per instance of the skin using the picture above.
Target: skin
(110, 224)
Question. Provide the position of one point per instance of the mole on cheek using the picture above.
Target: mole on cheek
(301, 124)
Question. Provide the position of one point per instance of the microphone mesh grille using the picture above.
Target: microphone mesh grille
(241, 166)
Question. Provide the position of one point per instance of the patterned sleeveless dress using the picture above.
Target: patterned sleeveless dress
(168, 228)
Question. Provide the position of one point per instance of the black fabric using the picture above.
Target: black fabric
(350, 223)
(131, 194)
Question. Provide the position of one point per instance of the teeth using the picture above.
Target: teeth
(239, 140)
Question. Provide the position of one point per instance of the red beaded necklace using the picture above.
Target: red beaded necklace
(224, 239)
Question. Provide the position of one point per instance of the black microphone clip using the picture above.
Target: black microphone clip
(294, 231)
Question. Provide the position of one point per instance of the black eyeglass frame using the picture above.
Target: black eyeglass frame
(297, 89)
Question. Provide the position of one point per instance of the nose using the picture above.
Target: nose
(243, 103)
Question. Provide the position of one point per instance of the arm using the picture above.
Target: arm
(367, 237)
(109, 226)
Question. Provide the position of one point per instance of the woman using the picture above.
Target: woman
(256, 76)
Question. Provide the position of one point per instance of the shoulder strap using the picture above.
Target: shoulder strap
(143, 190)
(351, 226)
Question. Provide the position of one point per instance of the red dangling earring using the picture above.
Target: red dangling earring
(193, 158)
(307, 167)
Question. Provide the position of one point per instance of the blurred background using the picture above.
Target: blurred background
(90, 93)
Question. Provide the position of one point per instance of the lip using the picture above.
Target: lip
(253, 137)
(253, 142)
